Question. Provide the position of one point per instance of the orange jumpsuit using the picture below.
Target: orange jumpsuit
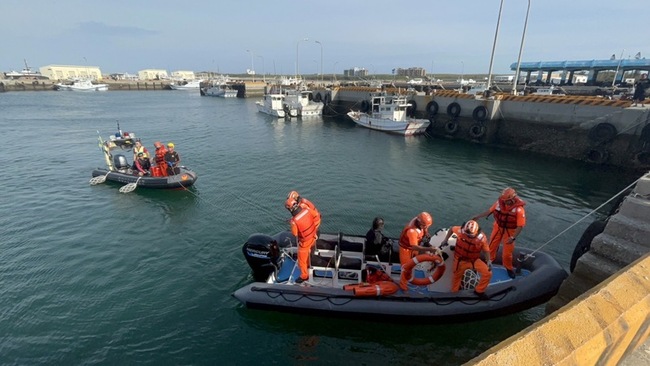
(305, 203)
(411, 236)
(467, 255)
(160, 160)
(506, 220)
(304, 229)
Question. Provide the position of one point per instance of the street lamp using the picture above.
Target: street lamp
(321, 60)
(297, 68)
(521, 48)
(263, 68)
(494, 45)
(252, 63)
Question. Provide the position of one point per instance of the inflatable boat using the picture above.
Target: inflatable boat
(340, 281)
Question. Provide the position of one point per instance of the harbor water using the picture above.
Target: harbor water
(89, 275)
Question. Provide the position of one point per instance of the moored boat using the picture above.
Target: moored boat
(301, 101)
(340, 272)
(186, 85)
(82, 86)
(389, 114)
(272, 104)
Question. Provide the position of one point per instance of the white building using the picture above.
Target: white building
(71, 72)
(152, 74)
(183, 75)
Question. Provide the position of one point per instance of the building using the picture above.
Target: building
(152, 74)
(183, 75)
(566, 71)
(413, 72)
(71, 72)
(355, 72)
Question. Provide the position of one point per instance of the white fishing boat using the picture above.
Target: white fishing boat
(301, 103)
(186, 85)
(388, 114)
(219, 89)
(82, 85)
(272, 104)
(26, 72)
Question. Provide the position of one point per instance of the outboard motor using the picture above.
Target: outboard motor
(262, 252)
(120, 163)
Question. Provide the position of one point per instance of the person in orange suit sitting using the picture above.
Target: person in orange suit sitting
(414, 235)
(471, 245)
(303, 227)
(509, 220)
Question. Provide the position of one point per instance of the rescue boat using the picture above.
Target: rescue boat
(344, 281)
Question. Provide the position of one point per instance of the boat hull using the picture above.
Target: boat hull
(538, 281)
(186, 178)
(270, 111)
(410, 127)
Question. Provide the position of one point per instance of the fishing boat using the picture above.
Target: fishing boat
(186, 85)
(272, 103)
(389, 114)
(301, 103)
(84, 85)
(340, 272)
(120, 171)
(221, 90)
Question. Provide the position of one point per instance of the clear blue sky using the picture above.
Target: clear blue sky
(379, 35)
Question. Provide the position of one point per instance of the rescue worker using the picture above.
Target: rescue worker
(376, 242)
(142, 164)
(172, 159)
(414, 236)
(303, 202)
(160, 157)
(509, 219)
(138, 148)
(303, 227)
(471, 245)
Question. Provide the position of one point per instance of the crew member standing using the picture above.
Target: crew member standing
(415, 233)
(509, 219)
(471, 245)
(303, 228)
(160, 157)
(303, 202)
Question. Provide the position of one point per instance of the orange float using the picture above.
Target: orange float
(407, 271)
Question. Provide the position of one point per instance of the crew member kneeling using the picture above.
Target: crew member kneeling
(471, 244)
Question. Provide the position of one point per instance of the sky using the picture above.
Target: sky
(445, 37)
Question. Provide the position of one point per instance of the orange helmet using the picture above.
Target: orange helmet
(425, 219)
(471, 228)
(290, 203)
(508, 194)
(157, 144)
(293, 195)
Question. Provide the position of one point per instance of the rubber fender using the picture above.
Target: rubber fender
(310, 96)
(480, 113)
(477, 130)
(317, 97)
(643, 157)
(602, 132)
(645, 134)
(432, 108)
(584, 244)
(451, 127)
(365, 106)
(410, 110)
(453, 109)
(327, 99)
(598, 155)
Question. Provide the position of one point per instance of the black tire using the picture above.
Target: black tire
(480, 113)
(432, 123)
(643, 157)
(602, 132)
(584, 244)
(451, 127)
(477, 130)
(410, 110)
(598, 155)
(432, 108)
(365, 106)
(327, 99)
(645, 134)
(453, 109)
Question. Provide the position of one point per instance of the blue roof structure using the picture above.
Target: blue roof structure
(628, 64)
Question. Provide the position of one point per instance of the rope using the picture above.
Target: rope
(581, 219)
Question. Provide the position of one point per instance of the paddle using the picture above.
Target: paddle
(130, 187)
(99, 179)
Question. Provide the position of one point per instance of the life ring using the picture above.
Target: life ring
(407, 271)
(410, 110)
(480, 113)
(317, 97)
(453, 109)
(432, 108)
(365, 106)
(602, 132)
(381, 288)
(597, 155)
(584, 244)
(477, 130)
(451, 127)
(327, 99)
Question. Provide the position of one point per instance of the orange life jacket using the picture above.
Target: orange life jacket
(404, 239)
(506, 216)
(304, 222)
(468, 248)
(160, 156)
(305, 203)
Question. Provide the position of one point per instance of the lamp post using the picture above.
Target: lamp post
(297, 68)
(521, 48)
(462, 73)
(334, 71)
(263, 68)
(494, 45)
(252, 63)
(618, 67)
(321, 60)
